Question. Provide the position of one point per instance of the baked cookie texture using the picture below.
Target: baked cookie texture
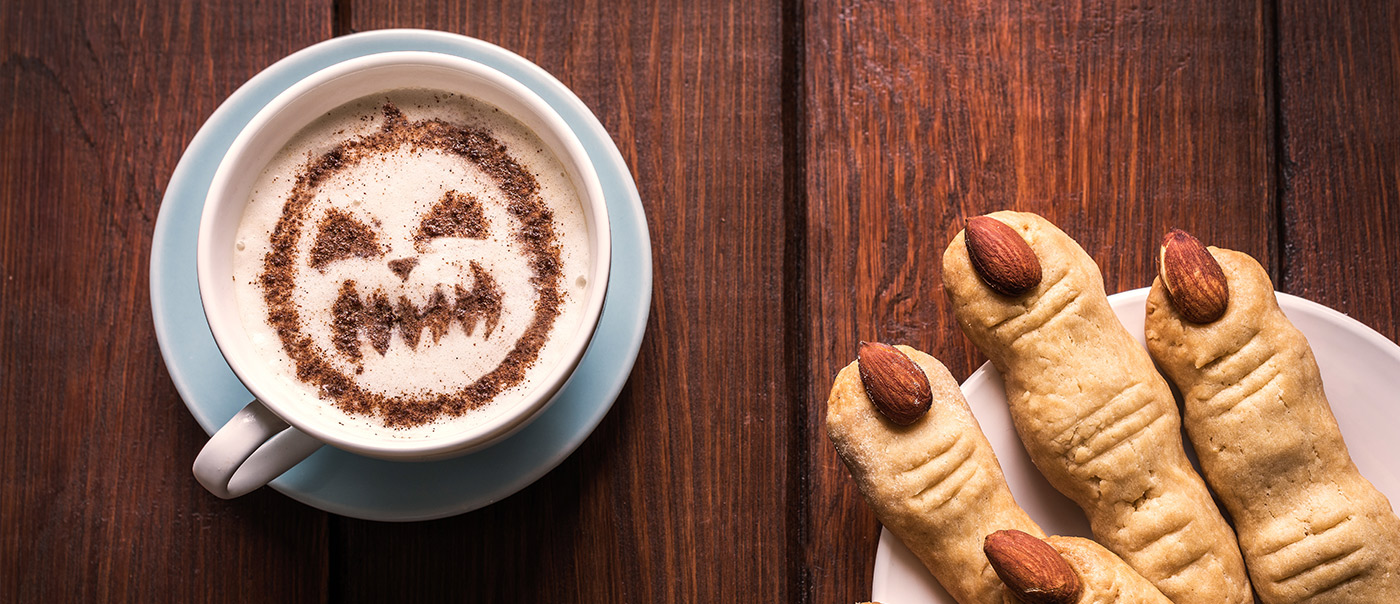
(1105, 577)
(1096, 418)
(935, 483)
(1311, 527)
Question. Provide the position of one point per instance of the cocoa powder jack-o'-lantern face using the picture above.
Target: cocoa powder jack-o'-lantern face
(422, 245)
(379, 315)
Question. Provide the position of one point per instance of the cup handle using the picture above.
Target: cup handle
(250, 450)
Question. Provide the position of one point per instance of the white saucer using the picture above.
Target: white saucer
(1361, 370)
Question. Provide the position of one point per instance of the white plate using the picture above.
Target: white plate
(1360, 371)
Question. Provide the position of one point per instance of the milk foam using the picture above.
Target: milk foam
(391, 194)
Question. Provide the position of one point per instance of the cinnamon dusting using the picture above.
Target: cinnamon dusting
(403, 266)
(340, 235)
(456, 215)
(372, 316)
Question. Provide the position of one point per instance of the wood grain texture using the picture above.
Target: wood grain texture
(1339, 77)
(1115, 120)
(97, 502)
(803, 164)
(680, 494)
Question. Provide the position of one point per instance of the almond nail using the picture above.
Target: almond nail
(1001, 257)
(1195, 283)
(1031, 569)
(892, 380)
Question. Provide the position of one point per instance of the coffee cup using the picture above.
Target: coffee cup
(313, 388)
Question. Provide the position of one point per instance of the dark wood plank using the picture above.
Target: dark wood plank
(1339, 76)
(680, 494)
(1116, 121)
(97, 503)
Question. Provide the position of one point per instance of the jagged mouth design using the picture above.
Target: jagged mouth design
(376, 318)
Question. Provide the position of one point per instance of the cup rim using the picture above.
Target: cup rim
(228, 330)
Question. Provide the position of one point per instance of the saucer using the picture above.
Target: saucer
(1360, 372)
(360, 487)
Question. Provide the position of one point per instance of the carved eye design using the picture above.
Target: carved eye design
(455, 215)
(339, 236)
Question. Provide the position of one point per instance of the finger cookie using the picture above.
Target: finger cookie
(1096, 418)
(935, 482)
(1065, 570)
(902, 427)
(1311, 527)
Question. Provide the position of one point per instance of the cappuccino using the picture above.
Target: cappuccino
(412, 260)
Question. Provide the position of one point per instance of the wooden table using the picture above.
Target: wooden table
(802, 165)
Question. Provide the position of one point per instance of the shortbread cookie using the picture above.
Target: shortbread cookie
(1107, 578)
(935, 483)
(1096, 418)
(1065, 570)
(1311, 527)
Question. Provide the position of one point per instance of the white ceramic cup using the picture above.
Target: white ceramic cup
(280, 428)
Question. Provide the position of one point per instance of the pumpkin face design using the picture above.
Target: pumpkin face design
(467, 297)
(414, 271)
